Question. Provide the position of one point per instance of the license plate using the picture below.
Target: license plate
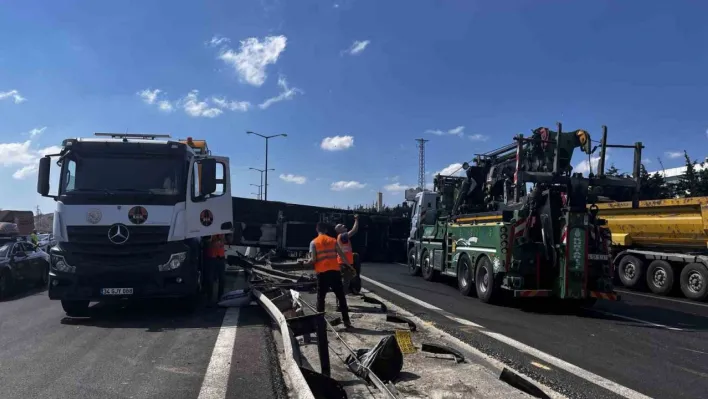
(598, 257)
(116, 291)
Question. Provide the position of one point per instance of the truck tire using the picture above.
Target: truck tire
(464, 276)
(426, 268)
(413, 266)
(660, 277)
(631, 271)
(487, 288)
(75, 308)
(694, 281)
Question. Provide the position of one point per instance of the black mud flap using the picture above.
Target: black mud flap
(394, 318)
(442, 350)
(323, 387)
(522, 384)
(367, 299)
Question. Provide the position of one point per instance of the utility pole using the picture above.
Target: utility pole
(260, 189)
(265, 190)
(421, 162)
(262, 171)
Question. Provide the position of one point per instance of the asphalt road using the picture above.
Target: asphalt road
(652, 346)
(147, 350)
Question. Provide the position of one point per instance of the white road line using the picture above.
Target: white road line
(216, 378)
(634, 319)
(554, 361)
(687, 302)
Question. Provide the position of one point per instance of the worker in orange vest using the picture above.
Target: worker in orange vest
(344, 241)
(215, 262)
(323, 254)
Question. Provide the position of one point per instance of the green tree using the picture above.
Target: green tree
(612, 171)
(689, 183)
(653, 186)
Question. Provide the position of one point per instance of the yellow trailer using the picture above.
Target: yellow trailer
(660, 242)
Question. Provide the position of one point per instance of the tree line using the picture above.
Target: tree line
(692, 183)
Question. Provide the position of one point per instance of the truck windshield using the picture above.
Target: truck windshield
(115, 175)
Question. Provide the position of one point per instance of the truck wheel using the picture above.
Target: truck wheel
(660, 277)
(630, 271)
(413, 267)
(75, 308)
(464, 276)
(694, 281)
(426, 267)
(5, 284)
(487, 289)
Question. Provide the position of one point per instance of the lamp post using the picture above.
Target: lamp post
(265, 187)
(261, 171)
(259, 189)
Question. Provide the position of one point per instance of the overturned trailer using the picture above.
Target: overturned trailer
(290, 228)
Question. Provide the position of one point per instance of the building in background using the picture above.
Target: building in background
(672, 175)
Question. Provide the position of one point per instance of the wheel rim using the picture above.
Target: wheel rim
(463, 274)
(629, 271)
(411, 261)
(483, 280)
(426, 264)
(659, 277)
(695, 282)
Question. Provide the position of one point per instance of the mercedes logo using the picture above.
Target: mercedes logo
(118, 233)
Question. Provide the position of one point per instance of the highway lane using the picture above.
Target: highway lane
(654, 347)
(147, 350)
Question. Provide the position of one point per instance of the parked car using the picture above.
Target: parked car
(21, 263)
(45, 241)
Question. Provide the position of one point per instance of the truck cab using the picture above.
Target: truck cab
(131, 213)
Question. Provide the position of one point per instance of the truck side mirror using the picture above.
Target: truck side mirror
(208, 183)
(43, 176)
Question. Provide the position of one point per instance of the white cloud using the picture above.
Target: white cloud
(242, 106)
(358, 46)
(287, 93)
(217, 41)
(396, 187)
(23, 155)
(290, 178)
(150, 97)
(193, 107)
(14, 94)
(478, 137)
(337, 143)
(454, 169)
(584, 166)
(646, 161)
(253, 56)
(37, 131)
(457, 131)
(346, 185)
(674, 154)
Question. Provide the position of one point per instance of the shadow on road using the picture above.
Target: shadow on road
(24, 292)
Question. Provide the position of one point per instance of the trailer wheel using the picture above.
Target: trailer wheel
(464, 276)
(694, 281)
(487, 288)
(413, 267)
(426, 267)
(660, 277)
(630, 271)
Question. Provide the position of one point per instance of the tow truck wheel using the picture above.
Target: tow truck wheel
(413, 268)
(426, 267)
(660, 277)
(464, 276)
(631, 270)
(487, 289)
(694, 281)
(75, 308)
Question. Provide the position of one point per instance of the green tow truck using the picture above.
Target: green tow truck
(520, 221)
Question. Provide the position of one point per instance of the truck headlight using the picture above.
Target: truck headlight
(175, 262)
(59, 263)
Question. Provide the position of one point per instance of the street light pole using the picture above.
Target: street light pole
(261, 170)
(260, 189)
(265, 196)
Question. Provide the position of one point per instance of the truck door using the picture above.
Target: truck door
(209, 214)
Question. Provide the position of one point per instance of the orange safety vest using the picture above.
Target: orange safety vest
(347, 249)
(216, 247)
(326, 253)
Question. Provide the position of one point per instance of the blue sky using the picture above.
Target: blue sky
(362, 77)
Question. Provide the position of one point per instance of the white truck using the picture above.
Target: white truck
(132, 218)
